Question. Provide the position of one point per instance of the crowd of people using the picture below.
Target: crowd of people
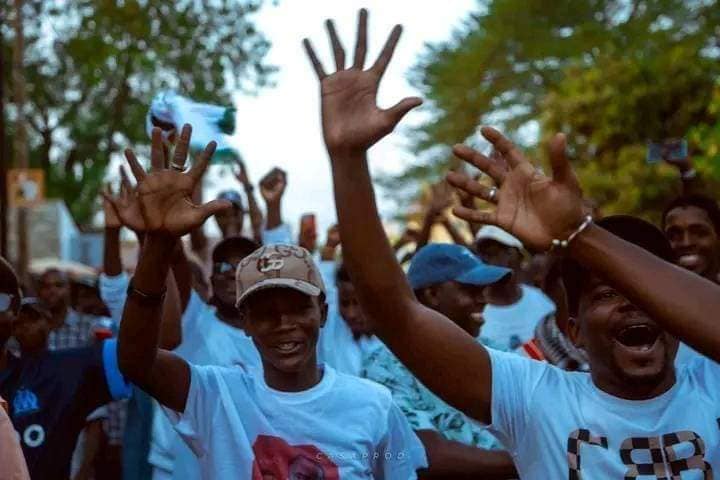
(558, 343)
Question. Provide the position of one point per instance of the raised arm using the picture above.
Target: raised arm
(457, 368)
(256, 216)
(164, 196)
(440, 200)
(538, 209)
(112, 264)
(272, 188)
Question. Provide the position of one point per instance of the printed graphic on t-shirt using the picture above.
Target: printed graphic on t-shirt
(661, 456)
(275, 459)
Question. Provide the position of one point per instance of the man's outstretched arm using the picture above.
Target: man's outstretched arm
(456, 368)
(538, 209)
(168, 212)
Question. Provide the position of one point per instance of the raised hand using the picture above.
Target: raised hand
(333, 237)
(126, 204)
(531, 206)
(441, 198)
(241, 174)
(352, 121)
(111, 217)
(272, 185)
(165, 194)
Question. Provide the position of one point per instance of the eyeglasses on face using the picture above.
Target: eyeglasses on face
(6, 301)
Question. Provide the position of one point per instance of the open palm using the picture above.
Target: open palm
(164, 195)
(533, 207)
(351, 119)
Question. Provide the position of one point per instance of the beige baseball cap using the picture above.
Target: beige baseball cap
(278, 265)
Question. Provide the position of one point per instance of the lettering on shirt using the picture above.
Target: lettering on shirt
(663, 456)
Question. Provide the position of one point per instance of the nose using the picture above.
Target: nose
(287, 321)
(626, 306)
(685, 239)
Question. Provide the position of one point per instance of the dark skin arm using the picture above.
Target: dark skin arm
(458, 369)
(272, 188)
(198, 239)
(168, 212)
(537, 209)
(256, 216)
(112, 265)
(454, 234)
(93, 439)
(448, 459)
(439, 201)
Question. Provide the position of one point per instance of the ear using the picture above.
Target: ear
(574, 332)
(323, 313)
(430, 294)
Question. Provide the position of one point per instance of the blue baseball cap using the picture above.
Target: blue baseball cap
(443, 262)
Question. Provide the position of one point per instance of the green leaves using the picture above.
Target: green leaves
(611, 74)
(92, 67)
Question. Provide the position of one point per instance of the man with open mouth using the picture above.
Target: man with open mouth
(632, 415)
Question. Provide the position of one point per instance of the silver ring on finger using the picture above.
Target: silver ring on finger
(492, 194)
(177, 167)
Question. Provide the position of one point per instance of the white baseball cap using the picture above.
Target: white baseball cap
(491, 232)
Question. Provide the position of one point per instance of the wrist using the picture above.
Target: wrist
(565, 241)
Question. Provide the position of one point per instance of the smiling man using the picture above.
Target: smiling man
(692, 226)
(222, 412)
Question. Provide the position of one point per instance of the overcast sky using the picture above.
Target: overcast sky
(281, 125)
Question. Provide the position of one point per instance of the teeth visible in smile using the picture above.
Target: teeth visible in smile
(286, 347)
(689, 259)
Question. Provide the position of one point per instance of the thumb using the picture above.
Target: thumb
(561, 169)
(203, 212)
(400, 109)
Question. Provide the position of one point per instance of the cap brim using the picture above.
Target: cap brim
(299, 285)
(483, 275)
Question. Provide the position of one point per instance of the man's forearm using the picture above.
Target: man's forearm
(450, 459)
(363, 235)
(112, 263)
(140, 327)
(654, 286)
(256, 216)
(274, 215)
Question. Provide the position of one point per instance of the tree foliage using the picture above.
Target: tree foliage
(612, 74)
(92, 67)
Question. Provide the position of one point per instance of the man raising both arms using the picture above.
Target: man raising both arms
(629, 416)
(293, 417)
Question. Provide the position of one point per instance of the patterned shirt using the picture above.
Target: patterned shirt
(75, 332)
(423, 409)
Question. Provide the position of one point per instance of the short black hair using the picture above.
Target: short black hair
(341, 274)
(697, 200)
(631, 229)
(232, 246)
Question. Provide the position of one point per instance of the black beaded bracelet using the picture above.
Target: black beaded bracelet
(146, 298)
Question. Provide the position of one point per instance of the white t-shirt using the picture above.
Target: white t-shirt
(342, 428)
(510, 326)
(206, 340)
(337, 346)
(558, 424)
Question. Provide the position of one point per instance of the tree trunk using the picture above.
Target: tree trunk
(21, 148)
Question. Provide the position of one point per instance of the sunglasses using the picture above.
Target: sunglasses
(6, 301)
